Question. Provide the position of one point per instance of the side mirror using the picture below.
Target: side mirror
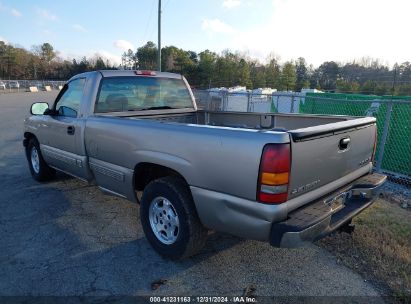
(38, 108)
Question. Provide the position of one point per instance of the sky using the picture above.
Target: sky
(318, 30)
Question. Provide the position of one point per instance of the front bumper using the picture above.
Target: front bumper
(318, 219)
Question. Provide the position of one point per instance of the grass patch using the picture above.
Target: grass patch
(380, 247)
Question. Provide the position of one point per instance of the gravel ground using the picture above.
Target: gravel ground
(397, 193)
(66, 238)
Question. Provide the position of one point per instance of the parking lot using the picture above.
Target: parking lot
(66, 238)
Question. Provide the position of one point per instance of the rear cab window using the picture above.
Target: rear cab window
(119, 94)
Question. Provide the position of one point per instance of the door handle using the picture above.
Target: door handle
(343, 145)
(70, 130)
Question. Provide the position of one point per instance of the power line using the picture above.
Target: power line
(149, 20)
(165, 6)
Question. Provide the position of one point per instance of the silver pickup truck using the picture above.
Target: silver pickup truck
(287, 179)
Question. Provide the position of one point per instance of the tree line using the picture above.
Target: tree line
(209, 69)
(43, 62)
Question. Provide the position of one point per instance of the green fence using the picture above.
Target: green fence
(397, 148)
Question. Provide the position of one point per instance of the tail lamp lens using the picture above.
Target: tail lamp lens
(274, 174)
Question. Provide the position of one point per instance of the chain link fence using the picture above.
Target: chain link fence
(14, 86)
(393, 155)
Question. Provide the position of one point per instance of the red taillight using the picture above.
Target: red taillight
(375, 145)
(145, 73)
(274, 174)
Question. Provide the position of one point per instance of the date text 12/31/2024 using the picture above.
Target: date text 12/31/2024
(203, 299)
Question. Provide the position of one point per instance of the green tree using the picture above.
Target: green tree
(288, 77)
(382, 89)
(258, 77)
(369, 87)
(183, 61)
(302, 77)
(273, 74)
(404, 89)
(243, 72)
(129, 60)
(147, 56)
(47, 52)
(206, 69)
(180, 61)
(226, 69)
(328, 73)
(345, 86)
(168, 58)
(100, 65)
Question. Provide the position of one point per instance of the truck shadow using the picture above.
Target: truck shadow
(87, 242)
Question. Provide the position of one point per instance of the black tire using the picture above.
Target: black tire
(43, 172)
(191, 236)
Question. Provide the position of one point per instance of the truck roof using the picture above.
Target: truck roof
(122, 73)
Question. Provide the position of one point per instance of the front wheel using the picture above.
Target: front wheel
(169, 219)
(38, 167)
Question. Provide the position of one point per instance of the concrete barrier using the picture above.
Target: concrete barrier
(47, 88)
(33, 89)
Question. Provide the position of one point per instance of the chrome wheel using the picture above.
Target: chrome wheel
(35, 161)
(164, 220)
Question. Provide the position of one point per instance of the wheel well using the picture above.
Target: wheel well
(27, 137)
(144, 173)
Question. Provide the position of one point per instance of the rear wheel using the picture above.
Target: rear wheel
(169, 219)
(38, 167)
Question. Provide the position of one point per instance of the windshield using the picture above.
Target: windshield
(118, 94)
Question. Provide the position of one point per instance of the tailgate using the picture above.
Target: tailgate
(325, 153)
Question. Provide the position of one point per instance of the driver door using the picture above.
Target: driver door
(64, 131)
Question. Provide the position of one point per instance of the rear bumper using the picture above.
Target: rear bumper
(318, 219)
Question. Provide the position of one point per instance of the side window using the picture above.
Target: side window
(69, 103)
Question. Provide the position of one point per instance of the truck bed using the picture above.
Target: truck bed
(269, 121)
(318, 156)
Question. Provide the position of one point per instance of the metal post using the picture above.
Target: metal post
(209, 100)
(248, 102)
(222, 98)
(384, 136)
(386, 123)
(159, 37)
(225, 100)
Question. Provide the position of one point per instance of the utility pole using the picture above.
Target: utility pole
(159, 37)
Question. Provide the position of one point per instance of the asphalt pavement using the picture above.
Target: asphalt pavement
(66, 238)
